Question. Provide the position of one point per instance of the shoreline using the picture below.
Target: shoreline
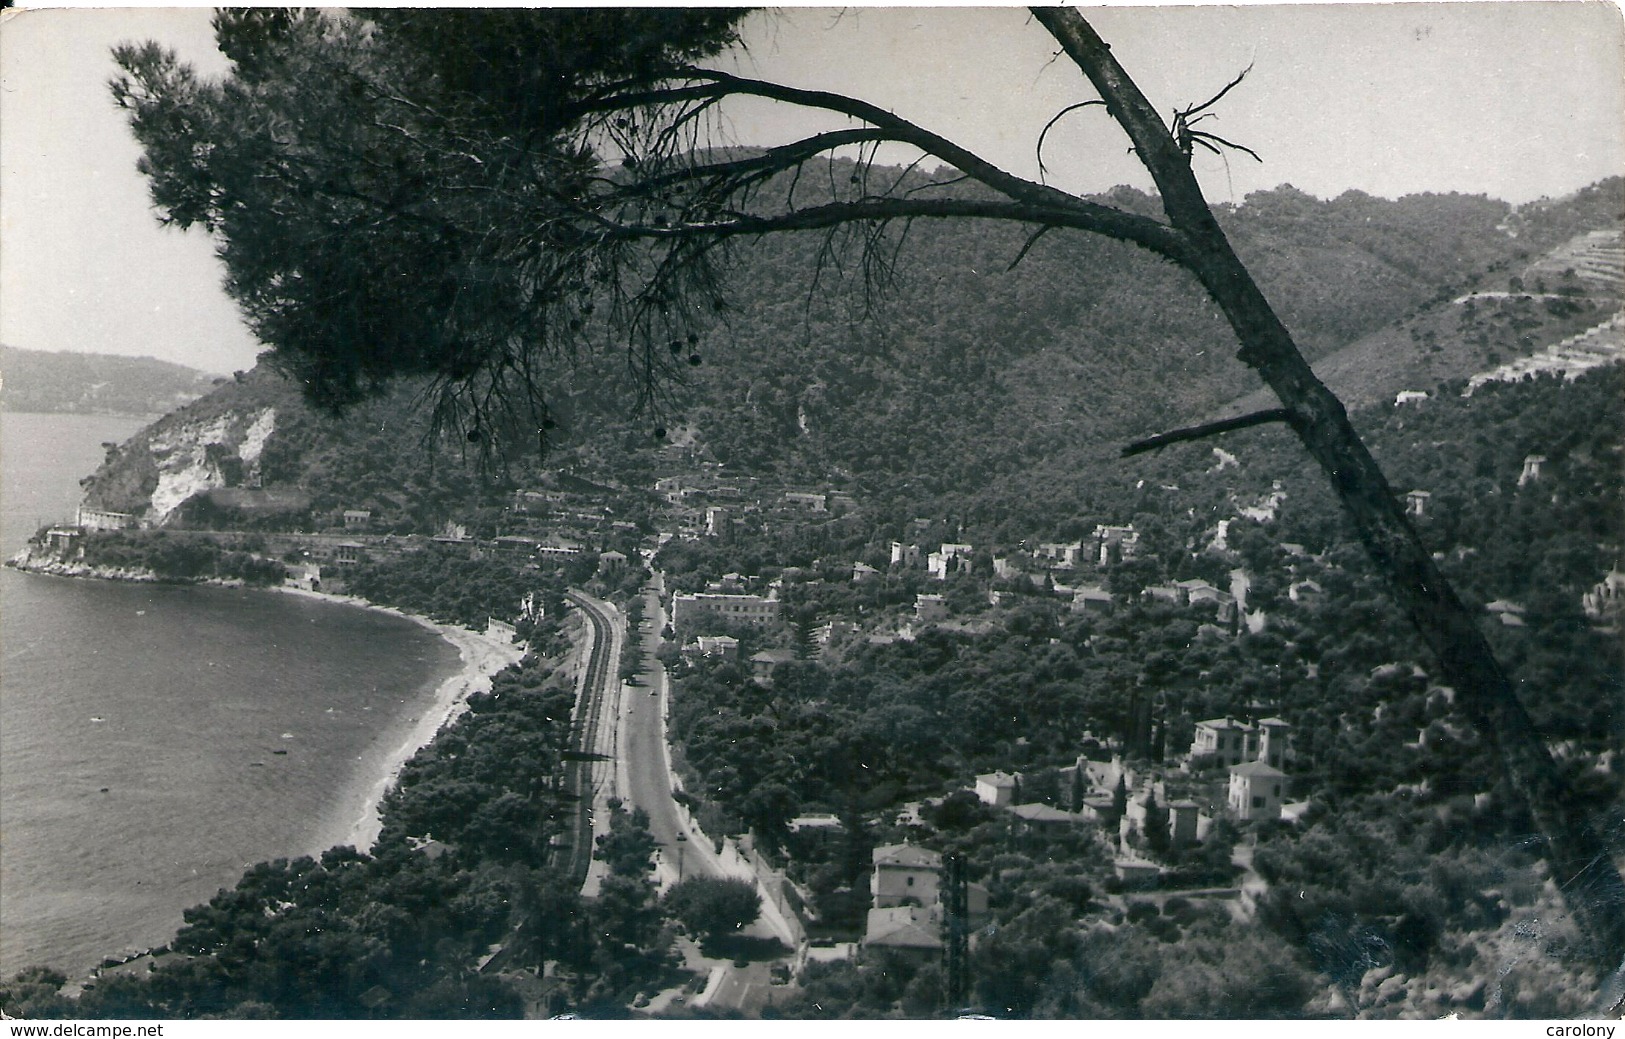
(481, 657)
(341, 809)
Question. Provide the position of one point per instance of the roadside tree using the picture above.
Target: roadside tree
(712, 908)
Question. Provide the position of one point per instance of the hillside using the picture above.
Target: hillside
(968, 381)
(253, 454)
(1499, 323)
(969, 388)
(99, 384)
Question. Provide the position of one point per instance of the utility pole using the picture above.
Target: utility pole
(956, 904)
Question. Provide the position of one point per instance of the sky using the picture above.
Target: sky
(1514, 100)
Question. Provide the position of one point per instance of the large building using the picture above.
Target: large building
(103, 519)
(1230, 742)
(755, 610)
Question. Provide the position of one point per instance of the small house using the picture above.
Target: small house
(905, 875)
(1137, 873)
(763, 663)
(1225, 739)
(347, 553)
(65, 543)
(1186, 823)
(1256, 791)
(723, 646)
(1091, 598)
(906, 929)
(998, 789)
(1043, 816)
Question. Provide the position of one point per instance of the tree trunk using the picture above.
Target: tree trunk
(1578, 857)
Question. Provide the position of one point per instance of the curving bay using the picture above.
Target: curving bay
(156, 739)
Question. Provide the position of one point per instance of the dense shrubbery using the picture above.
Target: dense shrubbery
(448, 585)
(182, 557)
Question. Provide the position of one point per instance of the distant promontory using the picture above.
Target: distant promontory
(95, 384)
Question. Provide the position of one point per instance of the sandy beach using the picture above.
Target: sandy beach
(481, 658)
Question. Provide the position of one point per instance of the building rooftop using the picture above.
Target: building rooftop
(905, 927)
(1042, 813)
(774, 656)
(907, 855)
(1256, 769)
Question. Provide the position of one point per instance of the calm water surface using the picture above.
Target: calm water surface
(156, 739)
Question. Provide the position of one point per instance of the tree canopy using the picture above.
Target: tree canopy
(413, 193)
(711, 906)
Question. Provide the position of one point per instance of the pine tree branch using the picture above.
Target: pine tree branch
(1229, 425)
(1090, 216)
(834, 214)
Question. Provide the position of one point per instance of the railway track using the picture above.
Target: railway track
(588, 714)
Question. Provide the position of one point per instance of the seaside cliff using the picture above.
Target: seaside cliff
(34, 560)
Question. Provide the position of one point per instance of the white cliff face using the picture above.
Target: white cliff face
(186, 466)
(254, 438)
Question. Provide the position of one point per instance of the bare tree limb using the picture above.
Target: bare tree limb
(1229, 425)
(1156, 237)
(1038, 149)
(709, 84)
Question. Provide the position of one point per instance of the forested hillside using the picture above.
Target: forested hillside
(936, 377)
(1083, 340)
(967, 383)
(252, 454)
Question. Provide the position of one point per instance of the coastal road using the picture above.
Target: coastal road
(646, 774)
(625, 722)
(629, 725)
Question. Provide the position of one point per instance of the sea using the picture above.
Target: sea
(155, 740)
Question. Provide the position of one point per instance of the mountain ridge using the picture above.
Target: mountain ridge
(76, 382)
(971, 381)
